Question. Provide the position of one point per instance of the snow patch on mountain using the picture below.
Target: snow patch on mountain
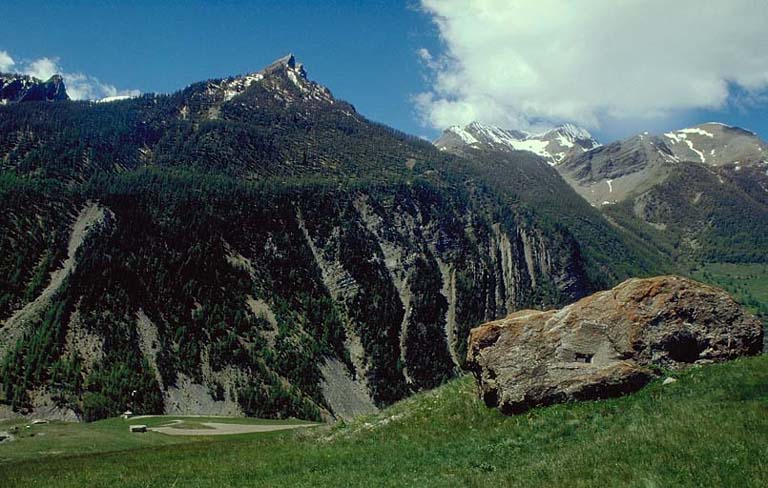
(463, 135)
(115, 98)
(682, 136)
(236, 86)
(696, 130)
(699, 153)
(716, 144)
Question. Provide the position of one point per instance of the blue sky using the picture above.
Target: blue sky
(365, 52)
(378, 55)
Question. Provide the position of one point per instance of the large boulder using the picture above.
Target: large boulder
(608, 344)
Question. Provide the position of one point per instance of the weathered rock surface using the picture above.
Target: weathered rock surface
(607, 344)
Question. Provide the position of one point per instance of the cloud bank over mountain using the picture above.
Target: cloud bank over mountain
(80, 86)
(519, 64)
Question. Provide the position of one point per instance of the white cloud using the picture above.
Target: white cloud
(80, 86)
(42, 68)
(6, 61)
(84, 87)
(518, 63)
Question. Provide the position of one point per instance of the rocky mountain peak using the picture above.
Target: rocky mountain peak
(287, 62)
(285, 76)
(572, 132)
(16, 88)
(608, 174)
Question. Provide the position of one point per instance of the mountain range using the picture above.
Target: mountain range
(697, 194)
(553, 145)
(253, 245)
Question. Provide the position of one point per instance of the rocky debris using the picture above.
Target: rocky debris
(6, 437)
(608, 344)
(669, 381)
(90, 217)
(188, 397)
(137, 428)
(347, 396)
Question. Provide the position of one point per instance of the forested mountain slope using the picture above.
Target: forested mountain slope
(610, 254)
(253, 245)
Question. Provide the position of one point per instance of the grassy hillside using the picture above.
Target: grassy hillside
(708, 429)
(65, 439)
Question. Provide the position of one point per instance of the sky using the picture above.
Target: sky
(616, 68)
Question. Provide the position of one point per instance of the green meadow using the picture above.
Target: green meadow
(710, 428)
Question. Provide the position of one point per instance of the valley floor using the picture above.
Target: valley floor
(708, 429)
(747, 282)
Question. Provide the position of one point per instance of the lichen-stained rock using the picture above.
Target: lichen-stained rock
(608, 344)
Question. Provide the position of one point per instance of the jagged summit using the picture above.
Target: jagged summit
(286, 62)
(553, 145)
(573, 132)
(285, 77)
(16, 88)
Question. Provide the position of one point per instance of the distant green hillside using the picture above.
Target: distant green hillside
(700, 214)
(748, 283)
(707, 430)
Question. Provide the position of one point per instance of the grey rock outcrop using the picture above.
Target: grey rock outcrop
(607, 344)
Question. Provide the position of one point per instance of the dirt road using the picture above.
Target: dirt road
(217, 428)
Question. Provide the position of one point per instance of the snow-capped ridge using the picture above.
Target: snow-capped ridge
(617, 170)
(715, 143)
(553, 144)
(571, 131)
(462, 134)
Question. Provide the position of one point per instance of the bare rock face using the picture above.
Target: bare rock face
(608, 344)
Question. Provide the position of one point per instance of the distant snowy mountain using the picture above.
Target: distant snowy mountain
(610, 173)
(702, 191)
(717, 144)
(553, 145)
